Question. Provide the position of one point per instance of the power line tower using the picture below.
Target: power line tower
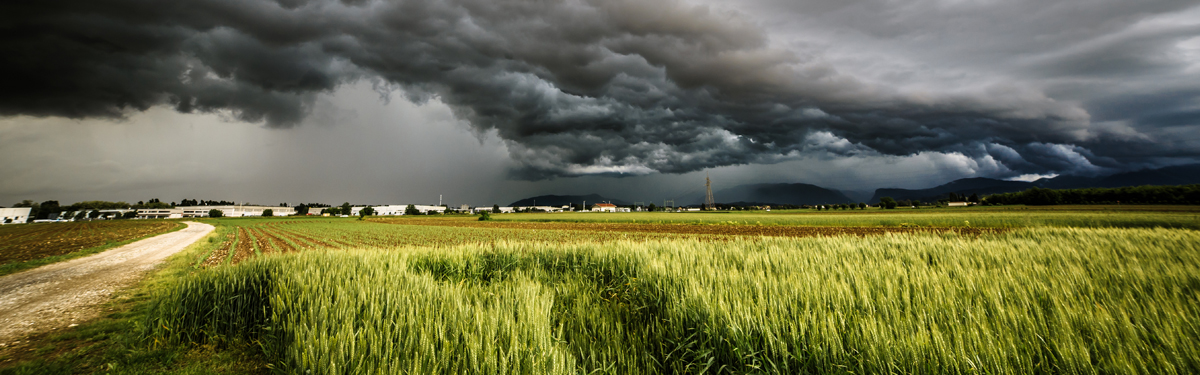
(709, 202)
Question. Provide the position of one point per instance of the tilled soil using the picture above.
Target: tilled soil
(57, 295)
(35, 241)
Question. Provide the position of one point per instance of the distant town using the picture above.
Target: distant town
(44, 212)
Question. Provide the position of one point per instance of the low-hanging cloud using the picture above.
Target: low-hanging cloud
(574, 87)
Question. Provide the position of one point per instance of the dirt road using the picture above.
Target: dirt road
(57, 295)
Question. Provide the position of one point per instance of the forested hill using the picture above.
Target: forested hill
(794, 194)
(562, 200)
(1176, 175)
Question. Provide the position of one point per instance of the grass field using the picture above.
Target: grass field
(1028, 301)
(1088, 290)
(31, 245)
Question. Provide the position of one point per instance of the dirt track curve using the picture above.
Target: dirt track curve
(57, 295)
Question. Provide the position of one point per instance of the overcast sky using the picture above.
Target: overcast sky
(489, 101)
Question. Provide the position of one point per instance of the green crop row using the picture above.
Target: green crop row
(1044, 300)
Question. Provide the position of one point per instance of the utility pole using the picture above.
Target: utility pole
(439, 200)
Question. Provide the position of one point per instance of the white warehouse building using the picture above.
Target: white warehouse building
(202, 211)
(397, 209)
(14, 215)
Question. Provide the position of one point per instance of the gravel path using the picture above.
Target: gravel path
(60, 294)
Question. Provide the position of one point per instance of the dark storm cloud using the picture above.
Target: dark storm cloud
(573, 87)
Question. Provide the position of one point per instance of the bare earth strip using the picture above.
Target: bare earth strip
(57, 295)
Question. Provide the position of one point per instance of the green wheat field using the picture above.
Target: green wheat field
(1062, 292)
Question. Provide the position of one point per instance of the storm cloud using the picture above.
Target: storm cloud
(635, 87)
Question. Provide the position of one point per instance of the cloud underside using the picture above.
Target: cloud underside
(572, 87)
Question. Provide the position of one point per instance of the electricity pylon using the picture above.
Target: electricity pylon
(709, 202)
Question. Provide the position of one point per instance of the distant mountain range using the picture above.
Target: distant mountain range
(806, 194)
(778, 194)
(562, 200)
(1177, 175)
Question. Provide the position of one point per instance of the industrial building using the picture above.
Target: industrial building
(17, 215)
(398, 209)
(503, 210)
(202, 211)
(160, 213)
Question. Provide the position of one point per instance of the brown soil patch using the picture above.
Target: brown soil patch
(19, 243)
(218, 256)
(245, 247)
(278, 243)
(292, 234)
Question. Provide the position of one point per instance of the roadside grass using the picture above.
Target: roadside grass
(11, 268)
(110, 344)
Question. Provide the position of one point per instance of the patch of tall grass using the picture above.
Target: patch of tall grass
(1046, 300)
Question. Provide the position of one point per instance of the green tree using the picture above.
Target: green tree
(652, 207)
(47, 208)
(862, 206)
(94, 214)
(301, 210)
(215, 213)
(411, 210)
(1040, 197)
(129, 214)
(485, 216)
(80, 215)
(887, 202)
(346, 208)
(495, 208)
(366, 211)
(268, 212)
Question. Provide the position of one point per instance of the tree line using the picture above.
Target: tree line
(1175, 194)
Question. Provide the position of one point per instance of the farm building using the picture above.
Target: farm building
(957, 204)
(17, 215)
(604, 207)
